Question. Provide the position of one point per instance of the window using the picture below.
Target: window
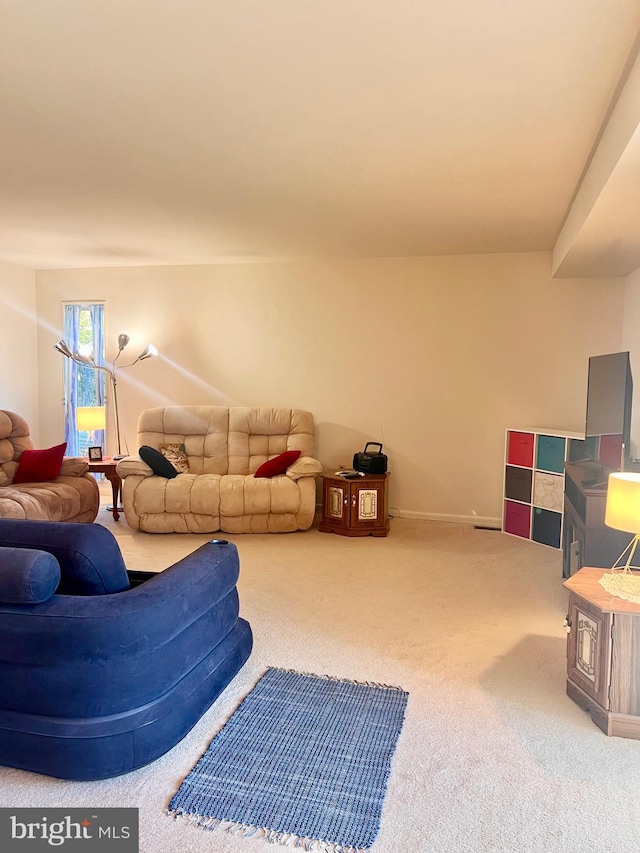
(83, 330)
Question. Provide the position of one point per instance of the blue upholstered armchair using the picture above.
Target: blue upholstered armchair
(104, 670)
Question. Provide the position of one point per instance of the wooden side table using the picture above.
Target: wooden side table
(355, 507)
(603, 654)
(107, 466)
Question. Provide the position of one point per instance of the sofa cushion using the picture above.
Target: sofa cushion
(38, 466)
(27, 576)
(202, 429)
(277, 465)
(88, 554)
(158, 463)
(248, 495)
(66, 499)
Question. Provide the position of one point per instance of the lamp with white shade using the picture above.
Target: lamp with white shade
(91, 419)
(622, 512)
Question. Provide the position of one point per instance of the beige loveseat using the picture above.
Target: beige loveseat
(224, 448)
(72, 496)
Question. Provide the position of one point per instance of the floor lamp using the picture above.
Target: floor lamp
(622, 512)
(86, 359)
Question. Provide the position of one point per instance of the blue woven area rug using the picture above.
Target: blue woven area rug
(304, 761)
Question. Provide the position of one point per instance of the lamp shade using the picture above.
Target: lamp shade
(64, 349)
(91, 418)
(623, 502)
(148, 352)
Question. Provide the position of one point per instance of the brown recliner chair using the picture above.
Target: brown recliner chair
(72, 496)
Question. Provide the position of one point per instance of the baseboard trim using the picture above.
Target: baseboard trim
(494, 523)
(485, 521)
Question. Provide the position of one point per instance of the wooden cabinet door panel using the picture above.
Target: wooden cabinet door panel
(588, 649)
(367, 505)
(335, 502)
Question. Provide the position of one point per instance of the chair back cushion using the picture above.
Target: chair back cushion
(89, 556)
(14, 438)
(27, 576)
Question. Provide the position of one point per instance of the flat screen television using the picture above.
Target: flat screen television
(609, 400)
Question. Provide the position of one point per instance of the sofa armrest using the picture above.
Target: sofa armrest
(304, 466)
(73, 466)
(133, 465)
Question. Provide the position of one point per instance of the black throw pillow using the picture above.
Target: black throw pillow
(158, 463)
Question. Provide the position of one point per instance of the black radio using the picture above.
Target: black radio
(371, 463)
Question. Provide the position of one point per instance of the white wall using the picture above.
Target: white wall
(436, 356)
(18, 344)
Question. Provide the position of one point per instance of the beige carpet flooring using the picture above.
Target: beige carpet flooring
(493, 756)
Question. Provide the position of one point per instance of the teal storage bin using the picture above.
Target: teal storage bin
(550, 453)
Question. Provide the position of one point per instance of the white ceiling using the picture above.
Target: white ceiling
(201, 131)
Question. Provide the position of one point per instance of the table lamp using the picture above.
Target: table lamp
(622, 512)
(91, 419)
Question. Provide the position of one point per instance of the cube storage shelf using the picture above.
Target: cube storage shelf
(534, 482)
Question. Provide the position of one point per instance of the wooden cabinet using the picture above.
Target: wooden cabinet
(355, 507)
(603, 654)
(534, 483)
(586, 538)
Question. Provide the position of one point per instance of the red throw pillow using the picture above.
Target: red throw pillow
(277, 465)
(35, 466)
